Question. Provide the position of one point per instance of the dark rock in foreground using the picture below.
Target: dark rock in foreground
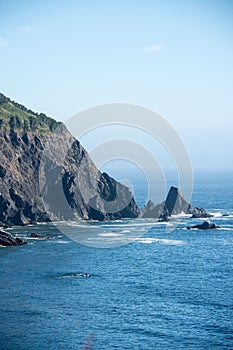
(206, 225)
(174, 204)
(7, 240)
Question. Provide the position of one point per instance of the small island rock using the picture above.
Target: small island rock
(206, 225)
(7, 240)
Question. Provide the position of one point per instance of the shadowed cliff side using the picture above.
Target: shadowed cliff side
(45, 173)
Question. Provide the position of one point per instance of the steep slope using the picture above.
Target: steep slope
(14, 116)
(45, 174)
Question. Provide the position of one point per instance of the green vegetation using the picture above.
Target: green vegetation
(14, 116)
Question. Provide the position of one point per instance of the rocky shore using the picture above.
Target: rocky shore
(7, 240)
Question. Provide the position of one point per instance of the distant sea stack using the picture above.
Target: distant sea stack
(174, 204)
(25, 137)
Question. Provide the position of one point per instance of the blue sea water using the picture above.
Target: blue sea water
(161, 291)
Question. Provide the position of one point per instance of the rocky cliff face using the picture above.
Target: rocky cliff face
(45, 174)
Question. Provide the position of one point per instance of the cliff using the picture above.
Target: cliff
(46, 174)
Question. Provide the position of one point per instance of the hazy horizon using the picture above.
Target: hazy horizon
(172, 57)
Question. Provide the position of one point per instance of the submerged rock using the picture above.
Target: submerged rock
(206, 225)
(35, 235)
(6, 240)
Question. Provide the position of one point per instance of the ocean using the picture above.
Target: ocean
(162, 290)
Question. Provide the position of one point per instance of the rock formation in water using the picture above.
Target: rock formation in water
(36, 236)
(6, 239)
(152, 210)
(174, 204)
(206, 225)
(45, 173)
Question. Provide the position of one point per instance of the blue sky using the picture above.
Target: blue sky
(175, 57)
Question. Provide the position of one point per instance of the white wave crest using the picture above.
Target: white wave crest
(148, 240)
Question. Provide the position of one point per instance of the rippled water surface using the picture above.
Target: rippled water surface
(160, 291)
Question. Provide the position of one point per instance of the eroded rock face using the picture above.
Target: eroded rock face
(152, 210)
(50, 176)
(174, 204)
(7, 240)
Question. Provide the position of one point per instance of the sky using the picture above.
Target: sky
(174, 57)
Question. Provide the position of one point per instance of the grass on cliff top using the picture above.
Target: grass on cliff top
(14, 116)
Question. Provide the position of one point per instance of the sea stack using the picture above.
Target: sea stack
(174, 204)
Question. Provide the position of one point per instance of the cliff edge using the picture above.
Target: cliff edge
(46, 174)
